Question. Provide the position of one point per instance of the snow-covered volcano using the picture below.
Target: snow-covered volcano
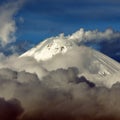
(50, 47)
(61, 52)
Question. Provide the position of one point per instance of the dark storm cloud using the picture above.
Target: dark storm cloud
(10, 109)
(59, 92)
(58, 97)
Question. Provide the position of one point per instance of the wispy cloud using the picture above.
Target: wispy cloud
(82, 36)
(7, 22)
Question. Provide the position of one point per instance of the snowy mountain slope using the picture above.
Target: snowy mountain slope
(92, 64)
(111, 64)
(49, 48)
(101, 70)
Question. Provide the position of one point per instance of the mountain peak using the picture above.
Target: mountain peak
(50, 47)
(92, 64)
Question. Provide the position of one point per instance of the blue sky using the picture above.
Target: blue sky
(39, 19)
(45, 18)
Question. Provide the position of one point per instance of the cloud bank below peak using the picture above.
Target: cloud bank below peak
(54, 90)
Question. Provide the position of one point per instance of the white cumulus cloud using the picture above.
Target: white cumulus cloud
(94, 35)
